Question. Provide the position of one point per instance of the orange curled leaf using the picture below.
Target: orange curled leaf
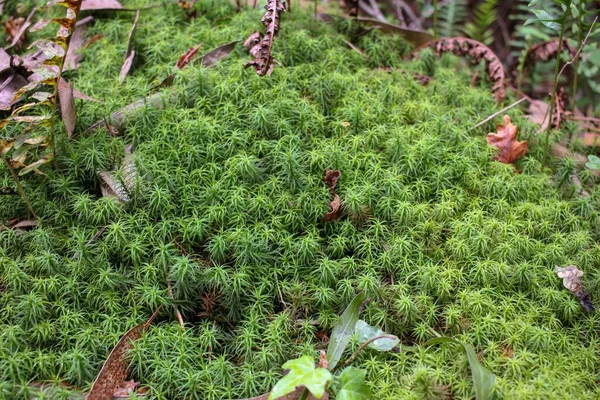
(461, 46)
(510, 149)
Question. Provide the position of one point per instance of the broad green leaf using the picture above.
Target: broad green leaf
(343, 331)
(302, 374)
(353, 386)
(483, 379)
(593, 162)
(366, 332)
(545, 19)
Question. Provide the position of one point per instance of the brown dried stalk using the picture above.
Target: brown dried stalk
(263, 61)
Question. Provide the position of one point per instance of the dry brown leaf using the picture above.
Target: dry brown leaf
(116, 367)
(509, 148)
(74, 51)
(187, 56)
(25, 224)
(67, 107)
(331, 177)
(546, 51)
(416, 37)
(263, 61)
(90, 5)
(130, 54)
(211, 58)
(335, 206)
(461, 46)
(252, 43)
(571, 277)
(15, 31)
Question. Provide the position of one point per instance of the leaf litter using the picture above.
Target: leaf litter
(505, 140)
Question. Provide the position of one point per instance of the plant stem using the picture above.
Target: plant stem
(365, 344)
(435, 18)
(554, 87)
(19, 187)
(576, 65)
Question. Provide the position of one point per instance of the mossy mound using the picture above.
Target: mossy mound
(229, 206)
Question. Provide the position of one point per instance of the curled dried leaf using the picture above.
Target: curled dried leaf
(263, 60)
(461, 46)
(571, 277)
(130, 54)
(331, 177)
(509, 148)
(546, 51)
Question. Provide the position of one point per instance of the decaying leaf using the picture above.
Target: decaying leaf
(130, 54)
(571, 277)
(546, 51)
(15, 31)
(252, 43)
(73, 56)
(116, 367)
(509, 148)
(335, 209)
(91, 5)
(335, 206)
(211, 58)
(263, 61)
(187, 56)
(67, 107)
(415, 37)
(461, 46)
(331, 177)
(24, 224)
(125, 390)
(119, 118)
(120, 187)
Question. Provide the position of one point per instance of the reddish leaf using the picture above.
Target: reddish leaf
(336, 210)
(331, 177)
(15, 31)
(187, 56)
(130, 54)
(116, 367)
(75, 45)
(510, 149)
(461, 46)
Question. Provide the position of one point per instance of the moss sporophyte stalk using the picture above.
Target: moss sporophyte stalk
(229, 207)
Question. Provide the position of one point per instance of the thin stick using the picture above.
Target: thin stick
(365, 344)
(19, 187)
(499, 112)
(279, 290)
(179, 317)
(576, 56)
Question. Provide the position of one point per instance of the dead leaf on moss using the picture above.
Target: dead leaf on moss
(92, 5)
(130, 54)
(116, 367)
(571, 277)
(187, 56)
(505, 140)
(14, 31)
(211, 58)
(331, 177)
(67, 107)
(126, 389)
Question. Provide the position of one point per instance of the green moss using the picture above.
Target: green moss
(437, 235)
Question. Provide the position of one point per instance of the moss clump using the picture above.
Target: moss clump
(229, 207)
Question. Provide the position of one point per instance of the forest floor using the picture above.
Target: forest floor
(224, 222)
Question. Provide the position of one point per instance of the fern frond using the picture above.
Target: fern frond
(481, 27)
(451, 16)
